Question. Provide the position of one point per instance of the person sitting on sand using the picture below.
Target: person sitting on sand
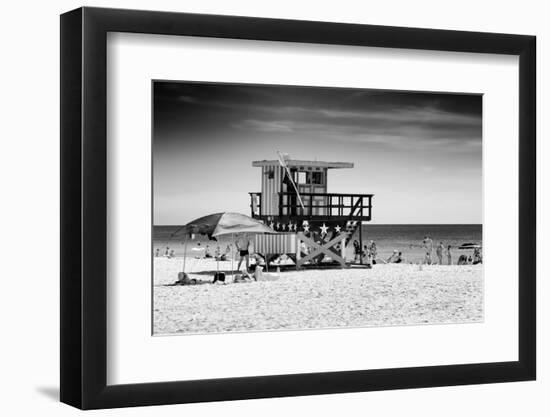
(449, 256)
(439, 252)
(223, 256)
(477, 256)
(429, 245)
(207, 253)
(462, 260)
(258, 259)
(172, 254)
(244, 276)
(219, 255)
(243, 245)
(393, 257)
(400, 259)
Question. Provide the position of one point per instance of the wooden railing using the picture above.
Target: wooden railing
(316, 205)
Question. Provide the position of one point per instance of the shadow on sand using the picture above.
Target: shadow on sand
(49, 392)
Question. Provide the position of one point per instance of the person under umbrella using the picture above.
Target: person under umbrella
(219, 224)
(243, 245)
(477, 254)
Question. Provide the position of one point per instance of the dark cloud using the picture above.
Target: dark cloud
(333, 111)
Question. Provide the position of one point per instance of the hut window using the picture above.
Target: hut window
(315, 178)
(302, 178)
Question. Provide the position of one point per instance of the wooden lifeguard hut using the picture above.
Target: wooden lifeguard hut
(312, 223)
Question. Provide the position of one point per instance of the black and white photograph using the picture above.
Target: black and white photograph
(299, 207)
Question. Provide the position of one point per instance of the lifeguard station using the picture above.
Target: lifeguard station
(312, 223)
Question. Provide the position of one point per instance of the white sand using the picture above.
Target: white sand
(384, 295)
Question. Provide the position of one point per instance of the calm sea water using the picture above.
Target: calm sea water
(406, 238)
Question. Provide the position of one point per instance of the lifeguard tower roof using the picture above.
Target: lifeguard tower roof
(300, 193)
(306, 164)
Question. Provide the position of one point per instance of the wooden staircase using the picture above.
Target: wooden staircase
(351, 227)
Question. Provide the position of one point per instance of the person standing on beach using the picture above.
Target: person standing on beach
(429, 245)
(167, 252)
(439, 252)
(373, 251)
(242, 245)
(449, 256)
(157, 253)
(356, 251)
(365, 255)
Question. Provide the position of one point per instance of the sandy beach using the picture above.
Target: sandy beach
(383, 296)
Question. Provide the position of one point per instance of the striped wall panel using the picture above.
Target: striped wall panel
(278, 243)
(270, 190)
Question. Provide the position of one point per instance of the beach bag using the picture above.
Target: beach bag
(219, 276)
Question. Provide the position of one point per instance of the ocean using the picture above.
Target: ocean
(406, 238)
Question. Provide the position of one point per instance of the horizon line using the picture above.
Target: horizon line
(382, 224)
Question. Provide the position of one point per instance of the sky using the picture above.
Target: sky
(419, 153)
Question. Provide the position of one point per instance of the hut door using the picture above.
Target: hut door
(304, 187)
(317, 185)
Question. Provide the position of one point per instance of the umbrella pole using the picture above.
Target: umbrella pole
(184, 253)
(232, 257)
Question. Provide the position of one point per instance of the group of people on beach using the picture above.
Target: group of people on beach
(218, 254)
(443, 255)
(441, 250)
(469, 260)
(168, 253)
(428, 245)
(367, 255)
(242, 245)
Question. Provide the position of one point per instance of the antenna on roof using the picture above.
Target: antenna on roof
(283, 157)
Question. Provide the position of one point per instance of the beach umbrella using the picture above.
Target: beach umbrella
(226, 223)
(465, 246)
(219, 224)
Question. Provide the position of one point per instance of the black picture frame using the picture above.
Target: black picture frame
(84, 207)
